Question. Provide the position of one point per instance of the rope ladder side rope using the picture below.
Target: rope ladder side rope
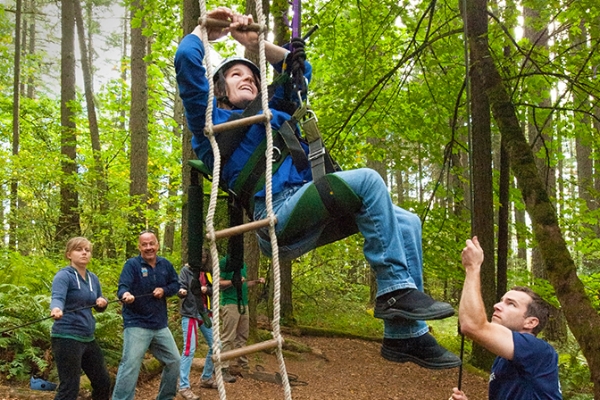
(210, 130)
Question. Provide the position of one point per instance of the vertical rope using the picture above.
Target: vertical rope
(269, 204)
(470, 138)
(214, 191)
(210, 229)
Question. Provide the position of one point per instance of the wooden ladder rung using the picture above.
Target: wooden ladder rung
(237, 123)
(218, 23)
(239, 229)
(243, 351)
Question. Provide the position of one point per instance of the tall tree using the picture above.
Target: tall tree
(539, 124)
(68, 222)
(481, 156)
(14, 183)
(138, 123)
(100, 185)
(31, 9)
(191, 12)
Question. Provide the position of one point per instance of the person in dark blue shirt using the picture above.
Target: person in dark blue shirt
(75, 291)
(526, 366)
(144, 285)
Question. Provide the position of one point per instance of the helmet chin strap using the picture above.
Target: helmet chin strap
(224, 100)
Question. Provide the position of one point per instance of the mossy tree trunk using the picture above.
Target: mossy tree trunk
(582, 318)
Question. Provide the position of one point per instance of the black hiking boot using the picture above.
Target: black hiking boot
(423, 350)
(411, 304)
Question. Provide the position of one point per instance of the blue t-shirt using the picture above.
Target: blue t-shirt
(532, 374)
(193, 90)
(140, 279)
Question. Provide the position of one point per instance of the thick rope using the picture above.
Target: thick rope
(269, 203)
(210, 229)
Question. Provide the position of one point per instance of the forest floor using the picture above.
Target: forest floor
(333, 368)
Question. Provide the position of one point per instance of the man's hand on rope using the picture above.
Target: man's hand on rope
(458, 395)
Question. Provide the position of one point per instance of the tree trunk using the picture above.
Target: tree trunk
(583, 319)
(68, 221)
(191, 12)
(31, 9)
(540, 137)
(100, 187)
(14, 183)
(503, 220)
(482, 180)
(280, 9)
(138, 126)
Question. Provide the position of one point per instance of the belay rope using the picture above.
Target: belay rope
(64, 312)
(210, 229)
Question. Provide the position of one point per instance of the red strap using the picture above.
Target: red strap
(192, 329)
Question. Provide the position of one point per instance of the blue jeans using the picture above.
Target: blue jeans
(392, 236)
(136, 341)
(189, 327)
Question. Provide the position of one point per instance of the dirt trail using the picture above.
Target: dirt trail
(348, 369)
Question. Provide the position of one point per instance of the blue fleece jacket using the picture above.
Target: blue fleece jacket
(70, 292)
(140, 279)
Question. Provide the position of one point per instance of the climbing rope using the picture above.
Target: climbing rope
(210, 229)
(65, 312)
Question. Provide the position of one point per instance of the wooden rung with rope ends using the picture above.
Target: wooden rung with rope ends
(238, 230)
(271, 220)
(242, 122)
(217, 23)
(244, 351)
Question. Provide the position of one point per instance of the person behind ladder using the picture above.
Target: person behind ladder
(392, 235)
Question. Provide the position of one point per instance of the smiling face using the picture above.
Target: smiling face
(240, 85)
(511, 312)
(148, 246)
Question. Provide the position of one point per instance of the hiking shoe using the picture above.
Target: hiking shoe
(227, 377)
(423, 350)
(208, 383)
(411, 304)
(187, 394)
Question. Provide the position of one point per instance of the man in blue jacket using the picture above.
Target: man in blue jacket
(144, 285)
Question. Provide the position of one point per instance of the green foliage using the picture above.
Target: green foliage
(331, 289)
(23, 350)
(574, 373)
(35, 273)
